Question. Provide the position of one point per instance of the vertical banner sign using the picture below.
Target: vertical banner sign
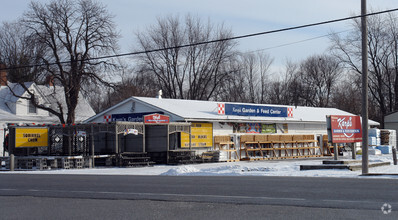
(221, 108)
(31, 137)
(201, 135)
(345, 129)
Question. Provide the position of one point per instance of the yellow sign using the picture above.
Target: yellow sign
(31, 137)
(201, 135)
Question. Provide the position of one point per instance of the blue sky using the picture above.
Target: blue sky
(243, 17)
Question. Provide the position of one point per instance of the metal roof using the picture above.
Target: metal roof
(196, 110)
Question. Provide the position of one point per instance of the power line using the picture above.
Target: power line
(211, 41)
(297, 42)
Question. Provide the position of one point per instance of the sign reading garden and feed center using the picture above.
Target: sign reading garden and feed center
(201, 135)
(31, 137)
(345, 129)
(156, 119)
(254, 110)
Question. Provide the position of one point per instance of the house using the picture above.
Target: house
(16, 110)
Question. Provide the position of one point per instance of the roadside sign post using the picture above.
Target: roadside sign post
(343, 129)
(336, 151)
(354, 154)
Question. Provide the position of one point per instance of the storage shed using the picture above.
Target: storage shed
(391, 122)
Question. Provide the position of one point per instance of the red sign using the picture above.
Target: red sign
(346, 129)
(156, 119)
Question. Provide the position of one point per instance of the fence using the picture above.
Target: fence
(91, 140)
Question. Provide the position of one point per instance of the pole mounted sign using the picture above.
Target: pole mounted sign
(156, 119)
(345, 128)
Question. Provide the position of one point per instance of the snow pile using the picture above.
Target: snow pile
(181, 170)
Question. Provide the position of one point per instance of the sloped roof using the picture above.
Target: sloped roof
(195, 110)
(83, 110)
(54, 94)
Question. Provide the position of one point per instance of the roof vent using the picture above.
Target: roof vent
(160, 93)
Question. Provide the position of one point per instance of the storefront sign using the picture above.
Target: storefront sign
(268, 128)
(132, 117)
(156, 119)
(31, 137)
(201, 135)
(255, 110)
(345, 129)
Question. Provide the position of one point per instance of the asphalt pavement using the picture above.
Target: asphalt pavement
(195, 197)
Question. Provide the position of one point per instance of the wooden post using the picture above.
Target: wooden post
(143, 138)
(69, 143)
(365, 104)
(11, 146)
(354, 154)
(190, 138)
(5, 141)
(92, 164)
(336, 151)
(116, 140)
(320, 143)
(12, 162)
(168, 144)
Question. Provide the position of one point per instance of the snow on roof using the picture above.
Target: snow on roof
(192, 110)
(83, 109)
(56, 94)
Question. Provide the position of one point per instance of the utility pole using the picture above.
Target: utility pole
(365, 161)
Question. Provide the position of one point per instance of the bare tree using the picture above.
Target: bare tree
(317, 76)
(69, 34)
(382, 57)
(284, 90)
(132, 83)
(193, 72)
(348, 95)
(17, 49)
(248, 81)
(233, 87)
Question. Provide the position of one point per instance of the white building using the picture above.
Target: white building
(14, 110)
(225, 118)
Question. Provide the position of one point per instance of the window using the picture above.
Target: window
(31, 108)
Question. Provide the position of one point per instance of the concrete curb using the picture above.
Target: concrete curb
(341, 165)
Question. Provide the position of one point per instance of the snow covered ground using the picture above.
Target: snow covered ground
(242, 168)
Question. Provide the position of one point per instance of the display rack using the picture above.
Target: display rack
(265, 147)
(223, 143)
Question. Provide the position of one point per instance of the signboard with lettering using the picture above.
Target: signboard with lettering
(256, 110)
(268, 128)
(156, 119)
(345, 129)
(132, 117)
(201, 135)
(31, 137)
